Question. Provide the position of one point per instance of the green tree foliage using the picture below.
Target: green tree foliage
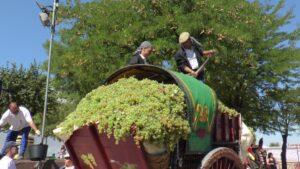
(274, 144)
(27, 87)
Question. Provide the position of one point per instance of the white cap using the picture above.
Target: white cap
(67, 155)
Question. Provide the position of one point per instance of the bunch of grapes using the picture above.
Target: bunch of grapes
(224, 109)
(151, 111)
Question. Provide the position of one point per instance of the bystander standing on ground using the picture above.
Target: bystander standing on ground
(62, 152)
(260, 155)
(20, 122)
(271, 161)
(68, 162)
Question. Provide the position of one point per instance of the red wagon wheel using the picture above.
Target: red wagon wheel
(221, 158)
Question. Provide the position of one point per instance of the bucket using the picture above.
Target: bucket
(38, 152)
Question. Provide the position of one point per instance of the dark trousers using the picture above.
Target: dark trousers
(12, 136)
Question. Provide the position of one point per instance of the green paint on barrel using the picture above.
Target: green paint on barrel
(201, 108)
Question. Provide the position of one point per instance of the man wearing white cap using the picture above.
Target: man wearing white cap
(188, 57)
(142, 53)
(7, 162)
(68, 162)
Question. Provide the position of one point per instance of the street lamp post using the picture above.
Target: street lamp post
(44, 17)
(52, 27)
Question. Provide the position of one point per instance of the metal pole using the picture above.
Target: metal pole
(55, 5)
(297, 153)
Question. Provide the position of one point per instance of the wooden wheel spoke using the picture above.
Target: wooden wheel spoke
(214, 166)
(222, 158)
(225, 163)
(221, 163)
(229, 165)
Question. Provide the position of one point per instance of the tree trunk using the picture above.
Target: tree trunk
(283, 151)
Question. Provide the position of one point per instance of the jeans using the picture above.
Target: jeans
(12, 136)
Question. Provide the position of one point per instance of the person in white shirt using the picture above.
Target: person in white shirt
(7, 162)
(20, 122)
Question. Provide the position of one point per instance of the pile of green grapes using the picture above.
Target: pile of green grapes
(224, 109)
(146, 109)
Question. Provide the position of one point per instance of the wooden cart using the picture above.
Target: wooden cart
(215, 146)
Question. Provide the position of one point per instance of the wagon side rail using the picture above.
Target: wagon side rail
(227, 131)
(90, 150)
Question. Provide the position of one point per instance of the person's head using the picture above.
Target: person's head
(270, 155)
(63, 147)
(185, 40)
(146, 48)
(264, 153)
(13, 107)
(68, 161)
(11, 149)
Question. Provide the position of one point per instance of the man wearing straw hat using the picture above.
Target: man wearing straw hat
(188, 56)
(142, 53)
(20, 122)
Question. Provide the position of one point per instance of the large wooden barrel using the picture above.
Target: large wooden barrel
(201, 101)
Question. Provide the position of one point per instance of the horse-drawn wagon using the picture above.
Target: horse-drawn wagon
(214, 141)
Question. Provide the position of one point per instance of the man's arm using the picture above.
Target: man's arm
(190, 71)
(208, 53)
(134, 60)
(30, 121)
(182, 65)
(3, 119)
(181, 62)
(33, 126)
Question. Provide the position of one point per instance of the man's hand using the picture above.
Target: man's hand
(194, 74)
(209, 53)
(37, 132)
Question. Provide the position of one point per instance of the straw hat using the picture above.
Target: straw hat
(184, 36)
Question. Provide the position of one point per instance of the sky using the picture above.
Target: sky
(22, 36)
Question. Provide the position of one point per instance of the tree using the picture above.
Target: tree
(27, 87)
(285, 114)
(100, 36)
(274, 144)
